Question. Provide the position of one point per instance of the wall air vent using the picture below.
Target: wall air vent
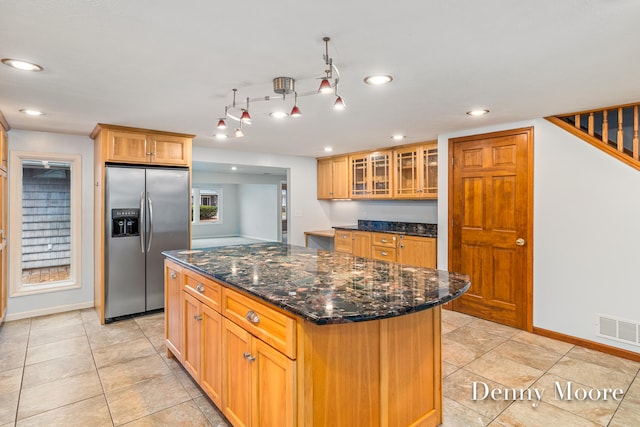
(615, 328)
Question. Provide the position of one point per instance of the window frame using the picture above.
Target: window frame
(196, 197)
(16, 287)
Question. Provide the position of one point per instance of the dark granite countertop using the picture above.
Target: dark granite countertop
(322, 286)
(408, 228)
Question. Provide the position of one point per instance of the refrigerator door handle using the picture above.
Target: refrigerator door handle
(150, 221)
(142, 223)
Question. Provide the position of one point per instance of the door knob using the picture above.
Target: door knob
(520, 242)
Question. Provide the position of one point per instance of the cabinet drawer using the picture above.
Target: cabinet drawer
(384, 239)
(203, 288)
(271, 326)
(383, 253)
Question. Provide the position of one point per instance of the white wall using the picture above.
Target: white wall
(586, 228)
(44, 142)
(305, 211)
(230, 224)
(259, 211)
(348, 212)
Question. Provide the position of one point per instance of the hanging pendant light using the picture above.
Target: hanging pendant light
(339, 104)
(295, 111)
(325, 86)
(221, 122)
(245, 117)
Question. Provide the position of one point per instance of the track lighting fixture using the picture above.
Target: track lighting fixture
(284, 86)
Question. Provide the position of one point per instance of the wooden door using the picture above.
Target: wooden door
(192, 350)
(173, 302)
(417, 251)
(170, 150)
(236, 382)
(340, 178)
(273, 387)
(127, 147)
(490, 204)
(325, 178)
(361, 244)
(212, 354)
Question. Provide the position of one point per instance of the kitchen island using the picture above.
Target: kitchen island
(285, 335)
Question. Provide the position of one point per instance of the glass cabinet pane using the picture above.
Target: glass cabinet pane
(380, 174)
(406, 173)
(430, 171)
(359, 176)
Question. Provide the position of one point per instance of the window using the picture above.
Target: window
(206, 205)
(45, 218)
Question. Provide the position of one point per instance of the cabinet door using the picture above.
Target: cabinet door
(192, 351)
(236, 382)
(359, 179)
(380, 183)
(127, 147)
(273, 387)
(417, 251)
(343, 242)
(4, 149)
(340, 178)
(362, 244)
(211, 379)
(429, 170)
(173, 308)
(407, 173)
(325, 178)
(170, 150)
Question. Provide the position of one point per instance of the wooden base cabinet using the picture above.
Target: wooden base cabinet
(418, 251)
(259, 381)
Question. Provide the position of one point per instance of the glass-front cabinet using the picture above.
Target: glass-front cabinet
(416, 172)
(370, 175)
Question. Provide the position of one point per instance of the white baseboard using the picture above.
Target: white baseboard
(48, 310)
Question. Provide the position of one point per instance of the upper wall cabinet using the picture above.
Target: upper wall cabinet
(402, 172)
(416, 172)
(370, 175)
(140, 146)
(333, 181)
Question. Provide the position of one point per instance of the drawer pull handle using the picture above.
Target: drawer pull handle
(249, 357)
(383, 253)
(200, 288)
(197, 317)
(252, 317)
(173, 275)
(384, 240)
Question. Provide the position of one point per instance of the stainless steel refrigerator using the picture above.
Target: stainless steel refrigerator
(147, 211)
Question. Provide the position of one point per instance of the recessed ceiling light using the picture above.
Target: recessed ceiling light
(378, 79)
(477, 112)
(30, 112)
(398, 137)
(278, 114)
(21, 65)
(328, 149)
(234, 168)
(221, 136)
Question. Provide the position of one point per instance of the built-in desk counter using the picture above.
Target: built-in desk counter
(358, 340)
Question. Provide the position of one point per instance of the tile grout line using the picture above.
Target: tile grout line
(636, 377)
(24, 363)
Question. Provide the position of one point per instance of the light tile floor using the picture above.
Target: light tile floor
(68, 370)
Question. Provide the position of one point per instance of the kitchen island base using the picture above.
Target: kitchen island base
(377, 373)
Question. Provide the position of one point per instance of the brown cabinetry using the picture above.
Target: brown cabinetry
(416, 172)
(401, 172)
(411, 250)
(333, 182)
(370, 175)
(417, 251)
(147, 148)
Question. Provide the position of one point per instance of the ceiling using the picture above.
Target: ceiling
(171, 65)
